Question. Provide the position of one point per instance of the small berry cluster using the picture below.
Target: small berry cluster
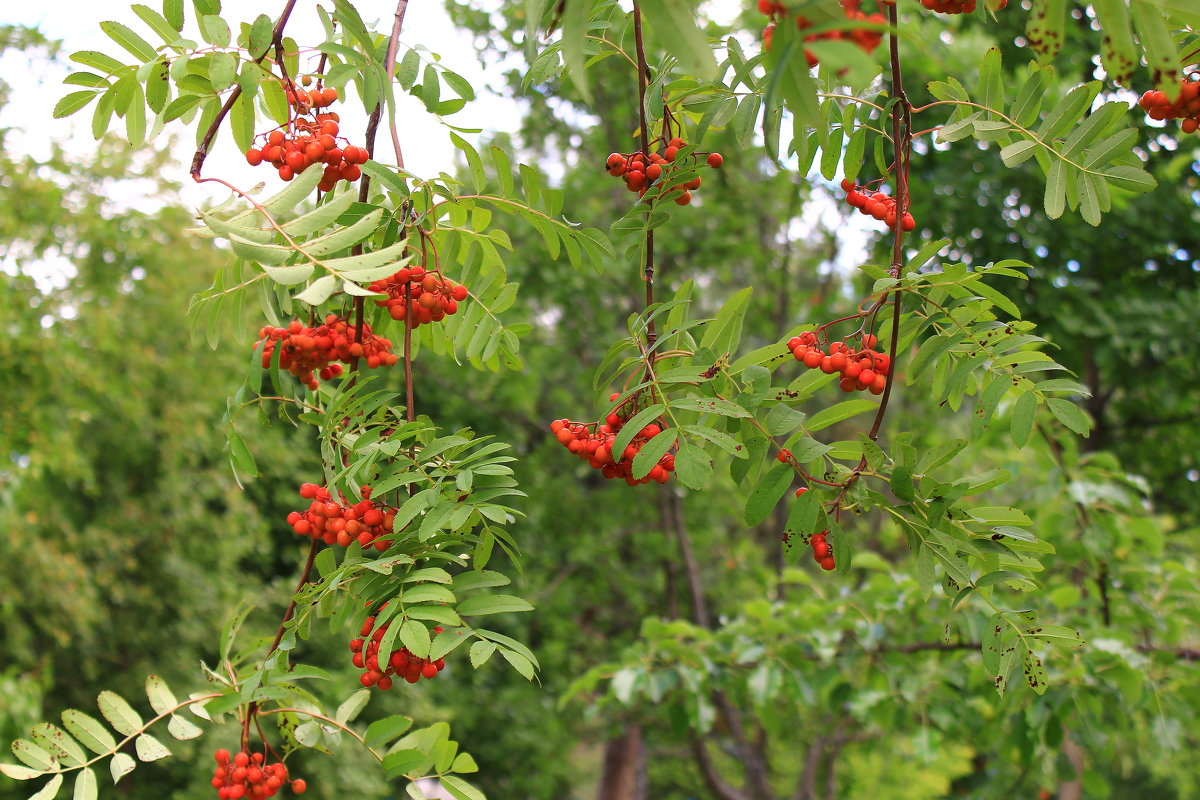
(879, 205)
(822, 552)
(402, 662)
(1157, 105)
(956, 6)
(311, 352)
(306, 142)
(861, 370)
(246, 776)
(641, 170)
(596, 447)
(866, 39)
(433, 296)
(365, 522)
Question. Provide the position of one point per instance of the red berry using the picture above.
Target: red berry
(715, 160)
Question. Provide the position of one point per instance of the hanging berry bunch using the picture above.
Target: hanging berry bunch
(433, 296)
(865, 38)
(311, 352)
(1186, 106)
(879, 205)
(402, 663)
(310, 137)
(245, 775)
(861, 370)
(643, 170)
(365, 522)
(593, 442)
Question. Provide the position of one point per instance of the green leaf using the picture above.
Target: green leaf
(901, 483)
(674, 22)
(243, 459)
(633, 426)
(136, 45)
(119, 714)
(73, 102)
(693, 467)
(1022, 418)
(722, 334)
(1056, 189)
(653, 450)
(711, 405)
(519, 662)
(353, 705)
(1162, 57)
(838, 412)
(33, 756)
(182, 729)
(481, 651)
(97, 60)
(173, 11)
(464, 763)
(149, 749)
(385, 730)
(51, 788)
(1069, 415)
(1018, 152)
(460, 788)
(319, 291)
(1117, 50)
(767, 492)
(135, 117)
(241, 122)
(1035, 673)
(480, 605)
(90, 732)
(121, 765)
(215, 30)
(1045, 30)
(161, 699)
(20, 773)
(402, 762)
(157, 22)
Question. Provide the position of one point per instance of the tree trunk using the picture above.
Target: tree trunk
(624, 767)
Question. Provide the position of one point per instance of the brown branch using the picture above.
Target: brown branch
(210, 134)
(291, 609)
(643, 80)
(389, 62)
(711, 777)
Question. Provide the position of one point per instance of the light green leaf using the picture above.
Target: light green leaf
(51, 788)
(161, 698)
(119, 714)
(121, 765)
(124, 36)
(182, 729)
(355, 703)
(319, 291)
(480, 605)
(836, 413)
(85, 785)
(150, 749)
(89, 731)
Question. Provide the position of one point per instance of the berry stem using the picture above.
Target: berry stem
(390, 65)
(210, 134)
(643, 81)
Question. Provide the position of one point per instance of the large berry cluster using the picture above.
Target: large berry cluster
(246, 776)
(861, 370)
(866, 39)
(879, 205)
(641, 170)
(593, 442)
(433, 296)
(308, 141)
(956, 6)
(311, 352)
(365, 522)
(402, 662)
(1157, 105)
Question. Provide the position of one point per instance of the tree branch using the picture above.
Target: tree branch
(711, 777)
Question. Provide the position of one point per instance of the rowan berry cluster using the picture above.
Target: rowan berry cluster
(593, 443)
(1186, 106)
(956, 6)
(866, 39)
(641, 170)
(244, 775)
(402, 663)
(365, 522)
(861, 370)
(433, 296)
(879, 205)
(822, 552)
(305, 142)
(309, 353)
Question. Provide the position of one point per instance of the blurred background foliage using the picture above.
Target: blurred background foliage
(683, 657)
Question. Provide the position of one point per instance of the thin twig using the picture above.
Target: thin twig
(389, 62)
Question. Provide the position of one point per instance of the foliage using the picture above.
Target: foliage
(780, 659)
